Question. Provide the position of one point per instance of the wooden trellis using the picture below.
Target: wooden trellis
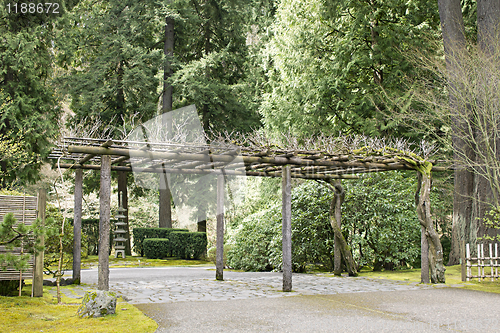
(321, 158)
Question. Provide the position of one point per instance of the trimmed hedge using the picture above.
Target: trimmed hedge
(156, 248)
(183, 244)
(196, 245)
(142, 233)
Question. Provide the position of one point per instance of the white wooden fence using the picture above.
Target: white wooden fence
(485, 266)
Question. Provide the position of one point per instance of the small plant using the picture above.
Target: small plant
(492, 220)
(14, 234)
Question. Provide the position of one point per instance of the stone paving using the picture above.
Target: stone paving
(242, 286)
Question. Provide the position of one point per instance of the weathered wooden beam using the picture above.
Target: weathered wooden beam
(38, 269)
(77, 226)
(104, 223)
(87, 158)
(219, 254)
(286, 211)
(227, 158)
(212, 171)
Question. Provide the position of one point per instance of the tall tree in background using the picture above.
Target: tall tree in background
(475, 134)
(29, 111)
(165, 208)
(211, 53)
(115, 60)
(329, 62)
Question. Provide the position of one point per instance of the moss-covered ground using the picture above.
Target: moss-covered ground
(43, 314)
(452, 275)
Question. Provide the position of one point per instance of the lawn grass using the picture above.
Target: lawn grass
(42, 314)
(452, 275)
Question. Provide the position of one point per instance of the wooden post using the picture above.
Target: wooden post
(462, 260)
(77, 226)
(496, 260)
(424, 255)
(469, 270)
(219, 255)
(38, 269)
(286, 211)
(337, 251)
(479, 262)
(491, 261)
(104, 223)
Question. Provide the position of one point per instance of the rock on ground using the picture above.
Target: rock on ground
(97, 303)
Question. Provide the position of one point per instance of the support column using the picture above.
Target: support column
(286, 211)
(424, 257)
(38, 273)
(77, 226)
(104, 223)
(337, 251)
(219, 254)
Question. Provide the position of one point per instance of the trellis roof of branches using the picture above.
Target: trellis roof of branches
(254, 154)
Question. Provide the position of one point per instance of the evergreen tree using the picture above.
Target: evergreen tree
(29, 110)
(330, 62)
(115, 58)
(211, 52)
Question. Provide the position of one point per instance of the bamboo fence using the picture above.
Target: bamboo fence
(483, 264)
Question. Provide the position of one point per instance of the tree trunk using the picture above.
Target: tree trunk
(452, 26)
(436, 264)
(165, 203)
(334, 213)
(486, 195)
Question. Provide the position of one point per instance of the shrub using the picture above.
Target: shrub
(8, 287)
(196, 245)
(156, 248)
(211, 253)
(257, 243)
(178, 241)
(142, 233)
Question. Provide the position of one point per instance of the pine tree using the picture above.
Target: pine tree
(29, 110)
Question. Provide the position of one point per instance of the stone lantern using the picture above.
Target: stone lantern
(120, 232)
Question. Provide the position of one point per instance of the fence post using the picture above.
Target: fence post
(491, 261)
(38, 269)
(496, 260)
(469, 271)
(462, 260)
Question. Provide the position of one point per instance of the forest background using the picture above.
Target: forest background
(343, 67)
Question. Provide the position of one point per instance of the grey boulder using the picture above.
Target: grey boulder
(97, 303)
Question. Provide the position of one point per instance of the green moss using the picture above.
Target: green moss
(26, 314)
(453, 278)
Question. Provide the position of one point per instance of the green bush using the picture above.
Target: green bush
(379, 222)
(257, 242)
(178, 243)
(156, 248)
(8, 287)
(196, 245)
(142, 233)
